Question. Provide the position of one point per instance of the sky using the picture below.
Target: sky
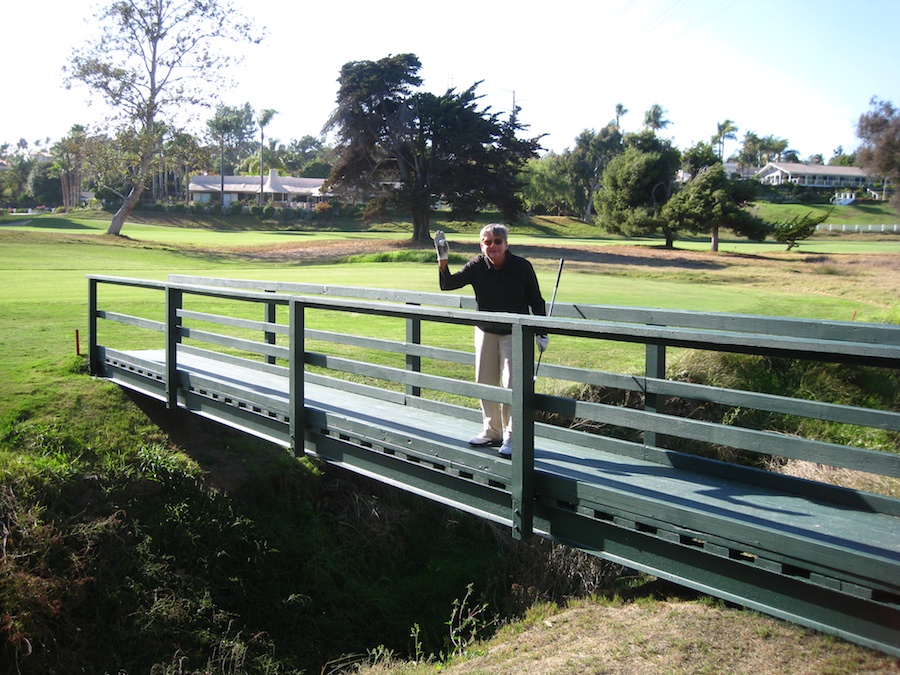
(801, 70)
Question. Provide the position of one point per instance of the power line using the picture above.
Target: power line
(687, 30)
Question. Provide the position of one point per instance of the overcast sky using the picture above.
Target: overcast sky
(802, 70)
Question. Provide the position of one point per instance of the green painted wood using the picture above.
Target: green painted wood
(268, 328)
(522, 408)
(138, 322)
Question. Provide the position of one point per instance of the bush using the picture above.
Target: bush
(256, 210)
(269, 211)
(236, 208)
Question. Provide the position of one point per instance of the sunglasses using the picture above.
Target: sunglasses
(496, 242)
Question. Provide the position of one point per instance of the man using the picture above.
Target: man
(503, 282)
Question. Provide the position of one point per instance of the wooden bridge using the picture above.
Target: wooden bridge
(373, 381)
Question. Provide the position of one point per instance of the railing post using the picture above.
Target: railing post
(413, 362)
(93, 356)
(297, 380)
(174, 299)
(523, 432)
(655, 367)
(270, 317)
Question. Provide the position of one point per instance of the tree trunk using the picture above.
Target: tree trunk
(670, 237)
(715, 238)
(421, 226)
(120, 216)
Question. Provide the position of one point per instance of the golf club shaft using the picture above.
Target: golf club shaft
(550, 313)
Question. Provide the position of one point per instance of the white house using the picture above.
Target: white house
(284, 190)
(813, 175)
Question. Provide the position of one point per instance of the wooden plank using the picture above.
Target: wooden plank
(262, 326)
(128, 320)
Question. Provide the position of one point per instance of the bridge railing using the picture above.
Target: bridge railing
(215, 317)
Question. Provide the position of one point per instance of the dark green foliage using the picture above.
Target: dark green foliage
(705, 203)
(636, 185)
(797, 229)
(409, 149)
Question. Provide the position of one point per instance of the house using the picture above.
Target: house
(280, 190)
(814, 175)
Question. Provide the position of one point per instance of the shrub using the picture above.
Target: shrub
(269, 211)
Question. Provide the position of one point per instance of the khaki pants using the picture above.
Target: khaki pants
(493, 365)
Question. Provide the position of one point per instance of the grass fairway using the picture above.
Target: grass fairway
(44, 263)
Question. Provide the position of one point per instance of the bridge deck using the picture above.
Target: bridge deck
(749, 521)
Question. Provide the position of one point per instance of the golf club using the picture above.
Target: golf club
(550, 313)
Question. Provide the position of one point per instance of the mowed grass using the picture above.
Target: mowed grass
(44, 291)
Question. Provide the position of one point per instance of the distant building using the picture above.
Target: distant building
(814, 175)
(282, 190)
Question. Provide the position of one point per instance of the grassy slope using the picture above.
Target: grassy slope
(69, 442)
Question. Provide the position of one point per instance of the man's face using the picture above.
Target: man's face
(494, 247)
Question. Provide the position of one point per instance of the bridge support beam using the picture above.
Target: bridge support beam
(523, 432)
(297, 379)
(174, 299)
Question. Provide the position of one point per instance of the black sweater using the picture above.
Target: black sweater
(512, 288)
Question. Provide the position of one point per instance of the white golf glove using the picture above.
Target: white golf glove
(441, 245)
(542, 342)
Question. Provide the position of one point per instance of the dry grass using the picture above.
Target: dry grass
(848, 478)
(650, 638)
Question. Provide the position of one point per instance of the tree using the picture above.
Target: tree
(797, 229)
(748, 155)
(151, 61)
(68, 156)
(621, 110)
(186, 155)
(587, 161)
(15, 178)
(839, 158)
(636, 185)
(43, 185)
(698, 158)
(725, 131)
(299, 153)
(705, 204)
(232, 129)
(879, 154)
(405, 148)
(653, 118)
(771, 149)
(547, 186)
(265, 116)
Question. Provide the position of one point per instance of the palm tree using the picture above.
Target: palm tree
(265, 116)
(620, 113)
(726, 131)
(653, 118)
